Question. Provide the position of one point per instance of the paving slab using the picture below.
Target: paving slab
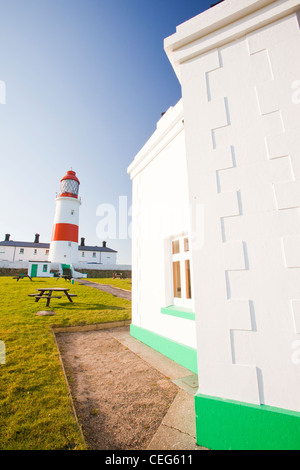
(167, 438)
(181, 414)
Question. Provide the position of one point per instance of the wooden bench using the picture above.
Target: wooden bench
(38, 296)
(48, 297)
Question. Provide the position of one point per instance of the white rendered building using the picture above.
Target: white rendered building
(223, 296)
(18, 253)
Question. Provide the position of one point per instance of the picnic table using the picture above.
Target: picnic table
(66, 277)
(21, 276)
(118, 276)
(46, 293)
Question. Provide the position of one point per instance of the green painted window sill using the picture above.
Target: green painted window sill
(180, 312)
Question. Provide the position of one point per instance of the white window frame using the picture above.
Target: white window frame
(182, 257)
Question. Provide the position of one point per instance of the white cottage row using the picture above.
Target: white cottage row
(17, 252)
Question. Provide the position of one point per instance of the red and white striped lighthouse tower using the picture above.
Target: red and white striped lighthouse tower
(64, 241)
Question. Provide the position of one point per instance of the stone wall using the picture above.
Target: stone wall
(97, 273)
(12, 272)
(91, 273)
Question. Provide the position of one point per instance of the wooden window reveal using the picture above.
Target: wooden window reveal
(176, 279)
(188, 279)
(175, 247)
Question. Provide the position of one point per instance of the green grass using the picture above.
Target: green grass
(120, 283)
(35, 410)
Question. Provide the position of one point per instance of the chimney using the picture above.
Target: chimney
(37, 238)
(7, 237)
(82, 242)
(104, 244)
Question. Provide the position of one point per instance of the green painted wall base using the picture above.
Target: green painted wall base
(184, 355)
(229, 425)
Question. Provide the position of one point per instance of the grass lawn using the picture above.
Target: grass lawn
(120, 283)
(35, 411)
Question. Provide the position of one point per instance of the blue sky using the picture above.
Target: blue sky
(86, 82)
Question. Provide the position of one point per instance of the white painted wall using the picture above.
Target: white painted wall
(160, 211)
(63, 252)
(14, 254)
(40, 269)
(67, 210)
(239, 65)
(101, 257)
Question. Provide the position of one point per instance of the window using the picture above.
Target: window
(45, 268)
(69, 244)
(35, 251)
(82, 254)
(181, 272)
(175, 247)
(47, 252)
(188, 290)
(72, 212)
(176, 279)
(94, 255)
(21, 251)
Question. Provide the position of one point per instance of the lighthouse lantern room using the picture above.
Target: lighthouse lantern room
(64, 240)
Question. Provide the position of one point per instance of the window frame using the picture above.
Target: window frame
(182, 257)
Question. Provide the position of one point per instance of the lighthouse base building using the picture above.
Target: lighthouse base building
(225, 219)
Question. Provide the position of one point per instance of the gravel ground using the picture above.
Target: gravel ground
(119, 398)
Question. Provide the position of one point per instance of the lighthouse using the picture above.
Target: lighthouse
(64, 240)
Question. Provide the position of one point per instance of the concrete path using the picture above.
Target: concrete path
(116, 291)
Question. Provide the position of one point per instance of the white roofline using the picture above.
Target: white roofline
(221, 24)
(168, 127)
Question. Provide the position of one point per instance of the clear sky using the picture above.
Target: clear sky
(86, 82)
